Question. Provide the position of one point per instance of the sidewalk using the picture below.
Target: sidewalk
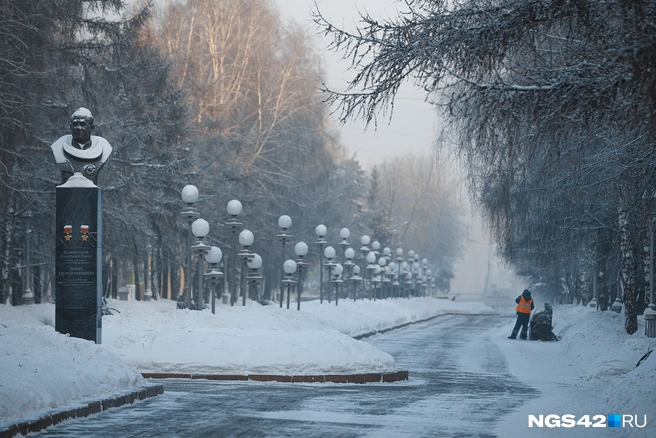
(590, 371)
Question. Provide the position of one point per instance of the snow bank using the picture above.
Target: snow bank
(594, 355)
(42, 370)
(156, 338)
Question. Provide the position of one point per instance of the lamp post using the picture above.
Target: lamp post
(301, 249)
(234, 209)
(284, 222)
(364, 249)
(344, 233)
(382, 261)
(254, 278)
(337, 281)
(329, 253)
(375, 246)
(320, 231)
(355, 279)
(429, 282)
(399, 261)
(289, 267)
(411, 263)
(392, 275)
(200, 228)
(349, 253)
(376, 279)
(371, 259)
(389, 276)
(213, 275)
(408, 283)
(246, 239)
(190, 214)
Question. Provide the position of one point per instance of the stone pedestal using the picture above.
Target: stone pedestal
(78, 260)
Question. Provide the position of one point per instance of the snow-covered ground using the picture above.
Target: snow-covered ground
(42, 370)
(259, 339)
(592, 370)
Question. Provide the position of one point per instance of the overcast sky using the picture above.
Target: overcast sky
(414, 124)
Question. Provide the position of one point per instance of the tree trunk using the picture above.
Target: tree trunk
(166, 274)
(175, 282)
(114, 279)
(7, 241)
(137, 286)
(628, 279)
(36, 280)
(147, 273)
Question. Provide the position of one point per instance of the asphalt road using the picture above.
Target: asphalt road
(459, 385)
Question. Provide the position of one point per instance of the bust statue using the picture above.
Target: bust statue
(81, 152)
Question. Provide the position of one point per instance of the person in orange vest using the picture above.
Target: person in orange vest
(524, 308)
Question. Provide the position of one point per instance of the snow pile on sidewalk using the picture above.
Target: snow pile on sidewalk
(42, 369)
(597, 357)
(255, 339)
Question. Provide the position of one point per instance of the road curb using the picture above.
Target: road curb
(81, 411)
(396, 327)
(318, 378)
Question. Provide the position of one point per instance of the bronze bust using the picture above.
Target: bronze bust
(80, 152)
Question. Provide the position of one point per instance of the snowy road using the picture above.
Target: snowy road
(459, 385)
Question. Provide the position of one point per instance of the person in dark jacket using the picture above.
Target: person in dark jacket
(524, 307)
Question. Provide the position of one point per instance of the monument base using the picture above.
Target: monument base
(78, 260)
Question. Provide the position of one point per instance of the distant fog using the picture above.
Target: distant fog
(480, 257)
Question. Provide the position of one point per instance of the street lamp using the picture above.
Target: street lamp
(408, 283)
(337, 281)
(301, 250)
(382, 261)
(200, 228)
(392, 267)
(289, 267)
(375, 246)
(387, 252)
(246, 239)
(376, 279)
(399, 262)
(329, 253)
(364, 249)
(320, 231)
(355, 279)
(349, 253)
(284, 222)
(371, 259)
(234, 209)
(190, 214)
(213, 275)
(254, 278)
(429, 274)
(416, 272)
(410, 267)
(344, 233)
(388, 274)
